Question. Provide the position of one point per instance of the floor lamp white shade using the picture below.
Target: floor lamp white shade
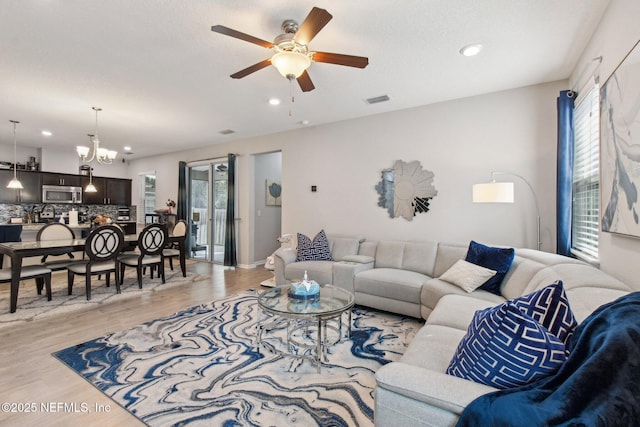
(493, 192)
(502, 192)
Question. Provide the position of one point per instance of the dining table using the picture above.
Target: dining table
(17, 251)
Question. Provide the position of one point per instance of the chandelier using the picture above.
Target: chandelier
(101, 155)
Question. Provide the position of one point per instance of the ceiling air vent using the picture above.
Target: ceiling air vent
(227, 132)
(377, 99)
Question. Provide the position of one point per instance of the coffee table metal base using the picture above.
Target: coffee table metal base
(304, 334)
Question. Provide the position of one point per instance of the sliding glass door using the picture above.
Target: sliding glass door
(207, 210)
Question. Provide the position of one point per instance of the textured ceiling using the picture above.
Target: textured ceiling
(162, 77)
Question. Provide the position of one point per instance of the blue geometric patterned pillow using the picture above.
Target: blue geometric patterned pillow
(549, 306)
(316, 250)
(498, 259)
(505, 348)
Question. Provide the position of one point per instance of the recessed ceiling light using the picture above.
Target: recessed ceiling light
(46, 133)
(304, 122)
(471, 50)
(274, 101)
(127, 148)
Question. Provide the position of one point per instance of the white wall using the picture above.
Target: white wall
(616, 35)
(461, 141)
(267, 219)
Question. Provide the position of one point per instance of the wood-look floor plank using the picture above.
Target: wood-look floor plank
(30, 375)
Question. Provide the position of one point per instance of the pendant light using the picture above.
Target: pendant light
(90, 188)
(14, 183)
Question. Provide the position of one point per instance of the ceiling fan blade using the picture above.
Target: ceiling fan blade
(242, 36)
(305, 82)
(338, 59)
(313, 23)
(252, 69)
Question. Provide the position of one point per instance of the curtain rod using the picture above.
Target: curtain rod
(577, 85)
(213, 159)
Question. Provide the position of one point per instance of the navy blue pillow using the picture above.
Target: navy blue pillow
(505, 348)
(314, 250)
(549, 306)
(498, 259)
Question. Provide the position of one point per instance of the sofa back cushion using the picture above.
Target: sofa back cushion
(413, 256)
(448, 254)
(342, 246)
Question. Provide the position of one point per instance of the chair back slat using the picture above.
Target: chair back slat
(180, 228)
(153, 239)
(104, 243)
(55, 231)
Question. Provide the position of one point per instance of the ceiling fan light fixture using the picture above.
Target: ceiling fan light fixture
(289, 63)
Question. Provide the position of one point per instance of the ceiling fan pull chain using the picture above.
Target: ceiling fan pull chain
(292, 97)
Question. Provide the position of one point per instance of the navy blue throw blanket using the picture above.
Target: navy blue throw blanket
(598, 384)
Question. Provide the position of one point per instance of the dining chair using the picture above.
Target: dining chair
(151, 243)
(102, 247)
(30, 272)
(54, 231)
(177, 247)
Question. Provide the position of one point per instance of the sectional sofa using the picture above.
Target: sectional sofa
(404, 277)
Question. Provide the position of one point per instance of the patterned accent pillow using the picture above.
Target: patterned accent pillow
(467, 276)
(505, 348)
(314, 250)
(549, 306)
(498, 259)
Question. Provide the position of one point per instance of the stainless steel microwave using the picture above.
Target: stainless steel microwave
(61, 194)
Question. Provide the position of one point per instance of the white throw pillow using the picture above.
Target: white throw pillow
(466, 275)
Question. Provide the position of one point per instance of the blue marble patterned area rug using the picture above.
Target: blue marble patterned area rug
(200, 367)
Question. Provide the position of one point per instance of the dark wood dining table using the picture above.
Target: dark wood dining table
(19, 250)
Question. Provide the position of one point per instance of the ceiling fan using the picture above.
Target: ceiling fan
(291, 55)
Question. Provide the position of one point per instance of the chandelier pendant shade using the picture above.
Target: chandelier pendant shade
(15, 183)
(101, 155)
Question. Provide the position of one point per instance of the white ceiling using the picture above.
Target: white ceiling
(162, 76)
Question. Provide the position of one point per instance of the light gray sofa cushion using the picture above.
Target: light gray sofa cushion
(412, 256)
(320, 271)
(402, 285)
(342, 246)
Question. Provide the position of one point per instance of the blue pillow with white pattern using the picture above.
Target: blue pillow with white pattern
(314, 250)
(505, 348)
(549, 306)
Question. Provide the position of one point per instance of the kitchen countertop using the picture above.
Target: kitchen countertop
(38, 226)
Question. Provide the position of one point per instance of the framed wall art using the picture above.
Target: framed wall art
(620, 147)
(273, 193)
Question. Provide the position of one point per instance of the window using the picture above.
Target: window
(586, 179)
(147, 195)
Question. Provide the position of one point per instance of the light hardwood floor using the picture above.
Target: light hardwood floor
(30, 375)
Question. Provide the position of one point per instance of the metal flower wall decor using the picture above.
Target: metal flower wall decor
(406, 189)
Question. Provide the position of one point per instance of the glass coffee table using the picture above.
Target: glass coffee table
(306, 321)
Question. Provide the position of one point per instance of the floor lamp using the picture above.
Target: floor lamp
(502, 192)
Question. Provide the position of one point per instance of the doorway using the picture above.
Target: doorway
(207, 210)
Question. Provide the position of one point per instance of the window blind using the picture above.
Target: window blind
(586, 178)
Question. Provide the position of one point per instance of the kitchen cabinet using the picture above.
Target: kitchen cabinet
(65, 179)
(119, 191)
(111, 191)
(31, 181)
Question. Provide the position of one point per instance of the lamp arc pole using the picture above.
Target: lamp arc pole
(535, 199)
